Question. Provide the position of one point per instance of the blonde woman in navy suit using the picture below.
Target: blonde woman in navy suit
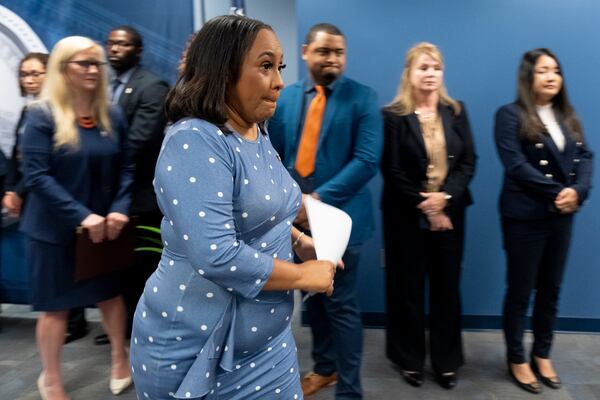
(547, 174)
(77, 173)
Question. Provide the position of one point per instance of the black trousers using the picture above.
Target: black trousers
(536, 254)
(145, 263)
(414, 254)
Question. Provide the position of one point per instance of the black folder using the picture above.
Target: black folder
(96, 259)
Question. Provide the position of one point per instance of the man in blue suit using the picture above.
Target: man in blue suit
(328, 131)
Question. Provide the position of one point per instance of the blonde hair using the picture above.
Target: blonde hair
(56, 91)
(404, 102)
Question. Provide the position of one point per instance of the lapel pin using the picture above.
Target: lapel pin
(128, 90)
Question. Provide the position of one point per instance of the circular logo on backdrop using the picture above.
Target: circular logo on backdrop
(16, 39)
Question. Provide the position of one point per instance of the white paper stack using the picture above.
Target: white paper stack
(330, 228)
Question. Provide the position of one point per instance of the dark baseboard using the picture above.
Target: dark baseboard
(15, 295)
(480, 322)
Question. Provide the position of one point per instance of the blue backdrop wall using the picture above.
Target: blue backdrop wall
(482, 42)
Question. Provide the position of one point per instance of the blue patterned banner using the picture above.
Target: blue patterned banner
(237, 7)
(36, 25)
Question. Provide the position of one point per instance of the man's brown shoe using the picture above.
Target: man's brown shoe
(313, 382)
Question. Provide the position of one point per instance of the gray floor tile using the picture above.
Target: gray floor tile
(484, 377)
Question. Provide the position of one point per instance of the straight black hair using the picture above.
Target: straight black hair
(532, 128)
(213, 64)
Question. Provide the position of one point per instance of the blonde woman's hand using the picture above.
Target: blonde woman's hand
(434, 202)
(94, 224)
(439, 222)
(115, 222)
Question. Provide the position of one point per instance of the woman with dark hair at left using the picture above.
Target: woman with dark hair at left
(32, 71)
(214, 319)
(76, 173)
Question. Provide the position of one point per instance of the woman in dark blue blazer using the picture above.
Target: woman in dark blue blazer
(428, 163)
(32, 70)
(547, 173)
(76, 172)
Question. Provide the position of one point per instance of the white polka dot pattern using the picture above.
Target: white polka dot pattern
(230, 201)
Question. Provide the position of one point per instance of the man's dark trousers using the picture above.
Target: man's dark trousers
(336, 326)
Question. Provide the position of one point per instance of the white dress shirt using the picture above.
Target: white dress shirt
(546, 114)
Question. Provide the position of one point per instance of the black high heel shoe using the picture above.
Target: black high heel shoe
(446, 380)
(413, 378)
(531, 387)
(552, 382)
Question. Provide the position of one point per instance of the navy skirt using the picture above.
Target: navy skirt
(53, 285)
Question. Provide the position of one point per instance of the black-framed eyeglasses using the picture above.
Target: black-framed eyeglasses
(86, 64)
(34, 74)
(118, 43)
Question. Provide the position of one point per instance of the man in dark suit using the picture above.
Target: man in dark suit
(328, 131)
(141, 95)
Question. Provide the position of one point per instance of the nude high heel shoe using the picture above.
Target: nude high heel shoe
(41, 388)
(118, 386)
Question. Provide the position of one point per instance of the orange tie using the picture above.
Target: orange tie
(307, 151)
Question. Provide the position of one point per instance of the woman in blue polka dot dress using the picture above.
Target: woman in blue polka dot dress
(214, 319)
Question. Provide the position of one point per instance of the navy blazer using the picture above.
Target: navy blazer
(535, 172)
(404, 163)
(65, 186)
(143, 104)
(14, 177)
(349, 148)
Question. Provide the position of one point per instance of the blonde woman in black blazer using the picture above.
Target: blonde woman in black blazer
(428, 162)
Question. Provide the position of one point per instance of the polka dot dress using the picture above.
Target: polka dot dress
(203, 327)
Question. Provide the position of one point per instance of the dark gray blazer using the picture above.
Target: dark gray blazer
(142, 102)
